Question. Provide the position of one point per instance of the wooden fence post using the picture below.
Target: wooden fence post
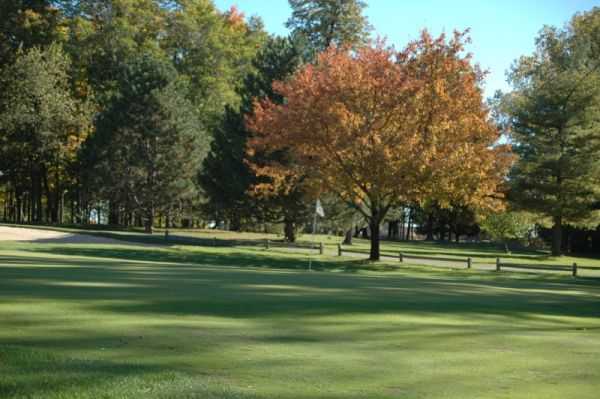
(574, 269)
(400, 257)
(266, 243)
(497, 264)
(469, 262)
(320, 248)
(339, 249)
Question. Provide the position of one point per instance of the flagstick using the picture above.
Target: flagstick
(313, 240)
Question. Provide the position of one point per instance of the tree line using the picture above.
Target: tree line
(175, 113)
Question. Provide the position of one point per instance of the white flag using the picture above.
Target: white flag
(319, 209)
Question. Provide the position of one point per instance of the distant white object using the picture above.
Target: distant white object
(94, 219)
(319, 209)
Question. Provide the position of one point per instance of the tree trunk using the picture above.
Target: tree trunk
(18, 208)
(113, 213)
(289, 230)
(393, 229)
(57, 197)
(569, 234)
(37, 195)
(48, 215)
(429, 227)
(72, 211)
(557, 237)
(348, 237)
(32, 197)
(402, 227)
(149, 222)
(409, 221)
(374, 226)
(235, 222)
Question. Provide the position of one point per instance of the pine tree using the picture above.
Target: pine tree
(554, 115)
(152, 140)
(322, 23)
(226, 178)
(209, 49)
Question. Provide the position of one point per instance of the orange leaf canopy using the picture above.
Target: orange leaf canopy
(380, 127)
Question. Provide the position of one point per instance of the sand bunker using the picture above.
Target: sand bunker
(49, 236)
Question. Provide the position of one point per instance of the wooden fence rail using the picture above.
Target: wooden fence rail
(574, 269)
(565, 268)
(280, 244)
(401, 256)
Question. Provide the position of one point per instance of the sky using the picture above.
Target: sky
(501, 30)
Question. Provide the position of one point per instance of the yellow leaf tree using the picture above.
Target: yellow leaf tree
(380, 128)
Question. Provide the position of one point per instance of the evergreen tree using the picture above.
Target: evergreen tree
(28, 23)
(211, 50)
(153, 142)
(322, 23)
(42, 125)
(226, 178)
(554, 113)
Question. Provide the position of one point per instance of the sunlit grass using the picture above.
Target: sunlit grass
(485, 252)
(93, 321)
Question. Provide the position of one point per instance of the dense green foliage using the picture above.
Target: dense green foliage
(206, 55)
(554, 113)
(150, 141)
(25, 24)
(323, 23)
(43, 124)
(226, 178)
(507, 226)
(135, 115)
(71, 126)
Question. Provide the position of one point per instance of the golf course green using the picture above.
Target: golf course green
(126, 321)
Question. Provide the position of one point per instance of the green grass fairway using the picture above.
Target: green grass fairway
(481, 253)
(100, 321)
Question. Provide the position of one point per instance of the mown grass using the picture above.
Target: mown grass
(481, 253)
(105, 321)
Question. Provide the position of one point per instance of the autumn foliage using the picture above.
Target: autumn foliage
(381, 128)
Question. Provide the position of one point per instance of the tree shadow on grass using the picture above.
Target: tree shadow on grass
(480, 252)
(249, 257)
(283, 305)
(255, 258)
(34, 373)
(219, 285)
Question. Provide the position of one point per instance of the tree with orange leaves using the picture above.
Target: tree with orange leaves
(380, 128)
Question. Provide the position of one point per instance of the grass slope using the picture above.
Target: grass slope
(481, 253)
(97, 321)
